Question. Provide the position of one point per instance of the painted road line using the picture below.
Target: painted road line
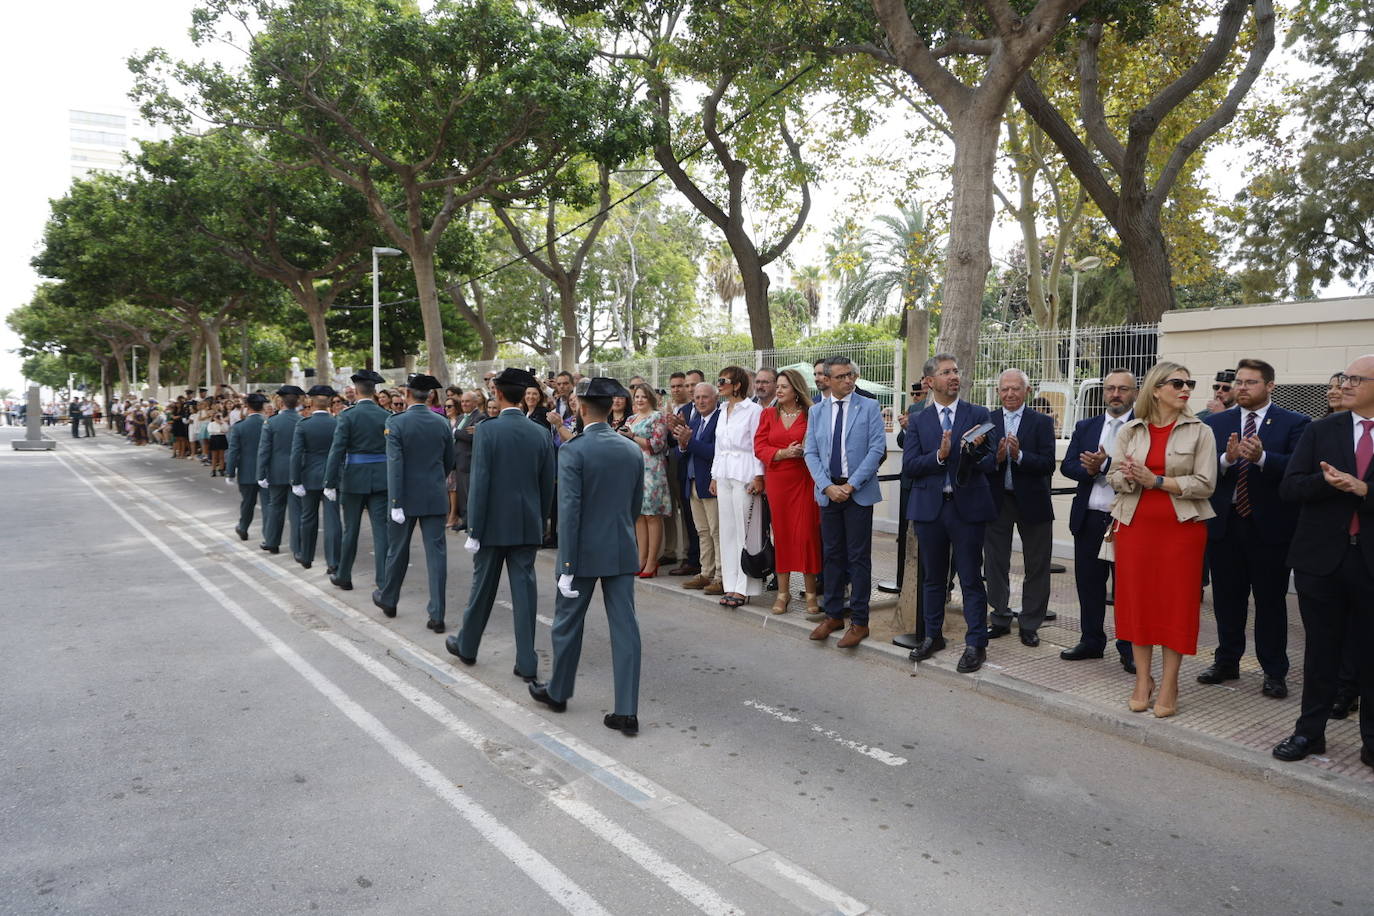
(876, 753)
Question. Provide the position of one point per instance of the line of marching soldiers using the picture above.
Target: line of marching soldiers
(298, 465)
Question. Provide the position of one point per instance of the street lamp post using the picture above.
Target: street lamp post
(1092, 262)
(377, 306)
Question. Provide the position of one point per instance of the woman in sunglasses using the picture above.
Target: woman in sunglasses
(1163, 469)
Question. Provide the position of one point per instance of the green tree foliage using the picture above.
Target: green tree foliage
(889, 268)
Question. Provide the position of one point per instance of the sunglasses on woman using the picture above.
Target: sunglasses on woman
(1179, 383)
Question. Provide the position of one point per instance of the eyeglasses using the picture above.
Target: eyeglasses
(1248, 382)
(1218, 387)
(1354, 381)
(1179, 383)
(841, 376)
(1118, 389)
(723, 381)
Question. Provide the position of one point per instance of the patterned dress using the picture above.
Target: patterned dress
(654, 428)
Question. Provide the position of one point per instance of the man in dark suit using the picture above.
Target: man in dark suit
(1247, 541)
(419, 456)
(241, 462)
(274, 473)
(355, 475)
(1086, 461)
(1331, 476)
(511, 496)
(951, 504)
(309, 452)
(685, 545)
(1021, 492)
(463, 434)
(696, 444)
(600, 486)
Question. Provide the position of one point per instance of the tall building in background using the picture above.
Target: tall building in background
(99, 138)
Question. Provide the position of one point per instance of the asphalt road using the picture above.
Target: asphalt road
(191, 725)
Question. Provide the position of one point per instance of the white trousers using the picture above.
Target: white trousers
(734, 505)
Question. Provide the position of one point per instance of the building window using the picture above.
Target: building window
(98, 119)
(98, 137)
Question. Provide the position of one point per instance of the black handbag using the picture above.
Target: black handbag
(756, 565)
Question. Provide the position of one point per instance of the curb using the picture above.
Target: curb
(1162, 736)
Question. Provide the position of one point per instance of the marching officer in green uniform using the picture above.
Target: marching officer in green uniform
(274, 470)
(509, 497)
(241, 464)
(309, 451)
(600, 486)
(419, 456)
(355, 476)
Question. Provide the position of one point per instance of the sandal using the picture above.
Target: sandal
(733, 600)
(780, 606)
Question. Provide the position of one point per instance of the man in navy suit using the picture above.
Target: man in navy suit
(696, 443)
(1021, 491)
(1247, 542)
(1086, 461)
(951, 503)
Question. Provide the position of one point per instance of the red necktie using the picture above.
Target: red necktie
(1364, 453)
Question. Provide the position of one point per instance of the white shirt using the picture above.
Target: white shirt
(1225, 462)
(848, 402)
(1359, 430)
(1101, 496)
(735, 458)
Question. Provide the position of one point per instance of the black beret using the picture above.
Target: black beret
(321, 391)
(367, 375)
(290, 389)
(516, 377)
(419, 382)
(599, 387)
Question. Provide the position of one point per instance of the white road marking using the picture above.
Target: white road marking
(548, 876)
(546, 621)
(876, 753)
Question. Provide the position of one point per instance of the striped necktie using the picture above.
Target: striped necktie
(1243, 471)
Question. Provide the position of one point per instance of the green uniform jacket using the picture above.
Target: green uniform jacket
(274, 449)
(511, 489)
(242, 460)
(310, 448)
(419, 456)
(359, 430)
(600, 490)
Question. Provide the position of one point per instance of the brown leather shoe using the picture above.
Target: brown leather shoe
(685, 570)
(827, 626)
(715, 588)
(852, 637)
(697, 581)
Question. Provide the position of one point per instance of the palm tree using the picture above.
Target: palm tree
(898, 255)
(807, 281)
(725, 279)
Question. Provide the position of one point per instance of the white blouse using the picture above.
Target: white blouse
(735, 458)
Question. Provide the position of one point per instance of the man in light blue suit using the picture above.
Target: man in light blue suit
(845, 444)
(309, 451)
(274, 473)
(600, 487)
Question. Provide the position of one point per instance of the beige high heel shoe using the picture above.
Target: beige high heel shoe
(780, 606)
(1141, 705)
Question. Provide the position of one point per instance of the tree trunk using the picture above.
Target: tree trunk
(968, 259)
(212, 341)
(154, 368)
(755, 280)
(1148, 255)
(197, 357)
(422, 262)
(570, 347)
(476, 317)
(120, 354)
(314, 313)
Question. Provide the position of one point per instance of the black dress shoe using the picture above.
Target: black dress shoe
(1275, 687)
(243, 535)
(527, 678)
(540, 692)
(435, 625)
(928, 647)
(1030, 639)
(1216, 673)
(996, 631)
(270, 549)
(451, 644)
(305, 564)
(339, 583)
(971, 660)
(387, 609)
(1344, 705)
(907, 640)
(1128, 664)
(626, 725)
(330, 570)
(1366, 756)
(1080, 652)
(1296, 747)
(1051, 615)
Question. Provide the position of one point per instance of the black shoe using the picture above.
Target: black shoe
(1344, 705)
(1080, 652)
(387, 609)
(1366, 756)
(436, 625)
(972, 660)
(907, 640)
(1029, 639)
(1296, 747)
(1128, 664)
(305, 564)
(997, 631)
(626, 725)
(1051, 615)
(330, 570)
(1275, 687)
(1217, 672)
(451, 644)
(928, 647)
(527, 678)
(772, 585)
(270, 549)
(339, 583)
(540, 692)
(243, 535)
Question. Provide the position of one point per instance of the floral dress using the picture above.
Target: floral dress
(657, 497)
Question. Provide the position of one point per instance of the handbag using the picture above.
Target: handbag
(756, 565)
(1108, 549)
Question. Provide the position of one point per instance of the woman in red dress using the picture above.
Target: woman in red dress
(779, 444)
(1164, 469)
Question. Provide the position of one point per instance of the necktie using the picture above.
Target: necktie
(837, 443)
(1364, 454)
(947, 422)
(1013, 424)
(1114, 427)
(1243, 471)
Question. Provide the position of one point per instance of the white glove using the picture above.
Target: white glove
(263, 483)
(398, 516)
(298, 490)
(472, 545)
(331, 495)
(565, 586)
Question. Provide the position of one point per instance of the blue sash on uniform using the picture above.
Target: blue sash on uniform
(364, 458)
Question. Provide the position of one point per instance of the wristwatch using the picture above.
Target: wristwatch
(1159, 482)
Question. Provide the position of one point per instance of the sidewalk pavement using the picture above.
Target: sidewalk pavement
(1232, 726)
